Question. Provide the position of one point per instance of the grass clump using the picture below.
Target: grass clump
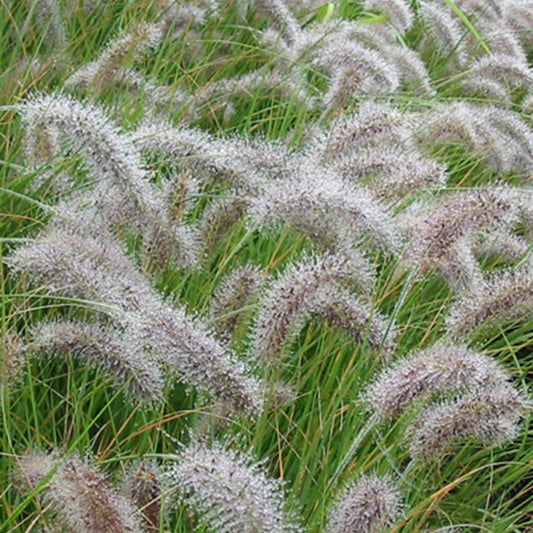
(266, 266)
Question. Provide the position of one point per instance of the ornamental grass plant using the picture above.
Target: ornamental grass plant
(266, 266)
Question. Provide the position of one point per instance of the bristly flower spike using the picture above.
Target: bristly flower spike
(444, 369)
(443, 29)
(48, 15)
(104, 347)
(501, 298)
(399, 11)
(442, 235)
(128, 46)
(282, 18)
(95, 267)
(490, 417)
(229, 490)
(111, 156)
(143, 489)
(370, 504)
(79, 494)
(331, 211)
(235, 291)
(314, 286)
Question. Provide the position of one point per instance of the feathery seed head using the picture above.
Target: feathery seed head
(442, 28)
(80, 496)
(301, 290)
(14, 356)
(143, 488)
(110, 155)
(400, 14)
(368, 505)
(501, 298)
(442, 370)
(489, 416)
(394, 173)
(444, 231)
(328, 209)
(232, 295)
(96, 268)
(230, 490)
(128, 46)
(106, 348)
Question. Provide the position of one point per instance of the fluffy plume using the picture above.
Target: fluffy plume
(232, 295)
(110, 155)
(359, 319)
(229, 490)
(490, 417)
(442, 234)
(143, 488)
(499, 136)
(520, 19)
(269, 84)
(129, 46)
(374, 126)
(392, 174)
(218, 219)
(499, 299)
(13, 356)
(313, 286)
(96, 268)
(106, 348)
(282, 19)
(503, 41)
(329, 210)
(356, 69)
(484, 11)
(122, 191)
(368, 505)
(411, 68)
(501, 244)
(48, 16)
(399, 11)
(444, 30)
(79, 494)
(444, 369)
(242, 163)
(501, 68)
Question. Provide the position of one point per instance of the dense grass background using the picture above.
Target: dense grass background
(321, 440)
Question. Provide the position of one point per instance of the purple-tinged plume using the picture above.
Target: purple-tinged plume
(370, 504)
(444, 369)
(103, 347)
(79, 264)
(500, 299)
(489, 416)
(229, 490)
(79, 494)
(234, 293)
(143, 489)
(315, 286)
